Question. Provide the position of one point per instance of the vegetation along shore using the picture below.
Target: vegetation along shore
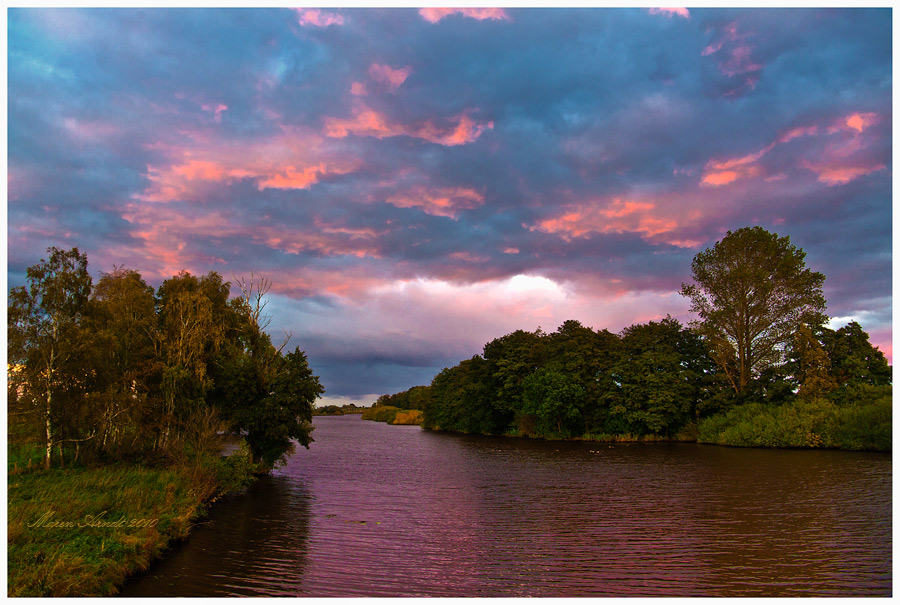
(120, 399)
(758, 367)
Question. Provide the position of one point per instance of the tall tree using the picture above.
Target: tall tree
(264, 395)
(122, 322)
(853, 358)
(190, 331)
(44, 326)
(752, 291)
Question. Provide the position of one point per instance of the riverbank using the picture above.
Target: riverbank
(83, 531)
(393, 415)
(864, 425)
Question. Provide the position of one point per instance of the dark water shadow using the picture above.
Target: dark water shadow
(245, 543)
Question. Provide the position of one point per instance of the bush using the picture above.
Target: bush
(865, 426)
(408, 417)
(383, 413)
(234, 473)
(816, 423)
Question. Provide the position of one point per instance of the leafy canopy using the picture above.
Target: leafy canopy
(752, 291)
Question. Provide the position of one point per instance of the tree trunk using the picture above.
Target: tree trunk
(49, 428)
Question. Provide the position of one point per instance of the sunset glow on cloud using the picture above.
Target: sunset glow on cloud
(318, 18)
(367, 122)
(439, 202)
(385, 74)
(416, 182)
(433, 15)
(670, 12)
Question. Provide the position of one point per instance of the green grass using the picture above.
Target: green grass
(24, 456)
(628, 438)
(83, 531)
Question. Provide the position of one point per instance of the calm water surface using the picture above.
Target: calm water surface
(379, 510)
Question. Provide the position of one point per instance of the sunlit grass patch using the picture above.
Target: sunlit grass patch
(408, 417)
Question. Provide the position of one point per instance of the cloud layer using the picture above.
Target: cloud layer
(417, 182)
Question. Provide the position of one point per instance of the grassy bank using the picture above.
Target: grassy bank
(82, 531)
(392, 415)
(863, 424)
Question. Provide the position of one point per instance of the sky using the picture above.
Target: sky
(418, 182)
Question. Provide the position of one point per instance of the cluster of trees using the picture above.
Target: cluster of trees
(338, 410)
(115, 369)
(760, 337)
(410, 399)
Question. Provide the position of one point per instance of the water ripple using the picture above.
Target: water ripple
(375, 510)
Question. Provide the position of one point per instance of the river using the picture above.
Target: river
(379, 510)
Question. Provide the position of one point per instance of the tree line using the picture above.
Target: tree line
(117, 370)
(760, 337)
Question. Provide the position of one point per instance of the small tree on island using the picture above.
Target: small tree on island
(752, 292)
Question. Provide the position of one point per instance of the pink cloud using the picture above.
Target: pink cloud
(617, 216)
(739, 62)
(328, 243)
(671, 12)
(358, 89)
(796, 133)
(385, 74)
(217, 110)
(724, 172)
(719, 178)
(847, 155)
(468, 257)
(168, 231)
(433, 15)
(367, 122)
(290, 160)
(841, 174)
(317, 18)
(840, 158)
(736, 57)
(445, 201)
(858, 122)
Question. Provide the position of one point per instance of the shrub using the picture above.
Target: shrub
(817, 423)
(408, 417)
(383, 413)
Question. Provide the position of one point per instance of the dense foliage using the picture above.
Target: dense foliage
(114, 370)
(758, 368)
(653, 378)
(658, 379)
